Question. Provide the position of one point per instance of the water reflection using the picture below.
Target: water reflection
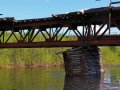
(31, 79)
(82, 83)
(111, 79)
(55, 79)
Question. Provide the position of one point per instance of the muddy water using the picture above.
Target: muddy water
(55, 79)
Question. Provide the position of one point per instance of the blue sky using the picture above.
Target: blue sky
(25, 9)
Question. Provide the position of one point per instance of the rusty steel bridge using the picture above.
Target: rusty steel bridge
(91, 27)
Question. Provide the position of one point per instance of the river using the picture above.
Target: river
(55, 79)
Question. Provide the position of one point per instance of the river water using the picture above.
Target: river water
(55, 79)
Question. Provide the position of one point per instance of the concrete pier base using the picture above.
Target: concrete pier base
(82, 61)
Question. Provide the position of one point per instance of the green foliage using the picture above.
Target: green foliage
(48, 56)
(111, 55)
(30, 56)
(113, 49)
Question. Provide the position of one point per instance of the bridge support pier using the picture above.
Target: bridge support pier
(82, 61)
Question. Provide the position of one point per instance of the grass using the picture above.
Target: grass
(111, 55)
(48, 56)
(30, 57)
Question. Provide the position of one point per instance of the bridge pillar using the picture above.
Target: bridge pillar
(82, 61)
(82, 83)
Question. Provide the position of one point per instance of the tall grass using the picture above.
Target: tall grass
(111, 55)
(48, 56)
(30, 56)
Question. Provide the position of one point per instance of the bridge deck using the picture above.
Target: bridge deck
(95, 16)
(89, 28)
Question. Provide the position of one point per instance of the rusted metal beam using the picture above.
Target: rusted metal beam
(51, 29)
(59, 44)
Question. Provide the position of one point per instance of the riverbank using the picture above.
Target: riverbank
(49, 57)
(31, 57)
(33, 66)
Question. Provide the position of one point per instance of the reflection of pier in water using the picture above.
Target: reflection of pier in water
(92, 82)
(82, 83)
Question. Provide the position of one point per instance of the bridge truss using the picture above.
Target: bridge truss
(90, 27)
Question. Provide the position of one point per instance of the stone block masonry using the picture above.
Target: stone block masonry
(82, 61)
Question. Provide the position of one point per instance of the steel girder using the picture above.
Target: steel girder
(64, 30)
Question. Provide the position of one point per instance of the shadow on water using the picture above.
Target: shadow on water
(82, 83)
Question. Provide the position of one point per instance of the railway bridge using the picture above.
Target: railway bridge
(83, 31)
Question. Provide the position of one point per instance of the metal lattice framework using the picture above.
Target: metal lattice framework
(90, 27)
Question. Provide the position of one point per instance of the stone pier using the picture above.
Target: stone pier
(82, 61)
(82, 83)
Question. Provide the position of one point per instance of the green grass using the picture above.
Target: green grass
(31, 56)
(48, 56)
(110, 55)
